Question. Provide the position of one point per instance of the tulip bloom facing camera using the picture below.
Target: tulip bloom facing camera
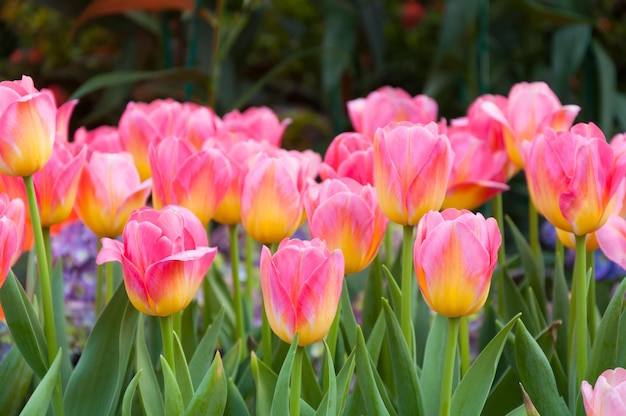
(412, 165)
(164, 256)
(608, 397)
(455, 254)
(301, 286)
(27, 127)
(346, 215)
(573, 177)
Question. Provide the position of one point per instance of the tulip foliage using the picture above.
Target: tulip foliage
(374, 280)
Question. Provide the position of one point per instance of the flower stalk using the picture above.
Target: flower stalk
(448, 366)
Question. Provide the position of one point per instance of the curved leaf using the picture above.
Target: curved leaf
(210, 398)
(127, 400)
(173, 398)
(39, 402)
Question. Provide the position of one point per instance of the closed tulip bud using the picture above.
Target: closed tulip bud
(301, 286)
(164, 256)
(573, 177)
(345, 214)
(27, 127)
(455, 254)
(271, 198)
(108, 192)
(608, 396)
(412, 165)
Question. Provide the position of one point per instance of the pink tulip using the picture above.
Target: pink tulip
(195, 179)
(350, 155)
(202, 124)
(164, 255)
(271, 197)
(530, 109)
(12, 220)
(608, 397)
(108, 191)
(478, 173)
(412, 164)
(258, 123)
(455, 254)
(64, 113)
(346, 215)
(301, 286)
(27, 127)
(104, 139)
(387, 105)
(56, 184)
(573, 176)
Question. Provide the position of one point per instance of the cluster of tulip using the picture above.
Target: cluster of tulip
(401, 164)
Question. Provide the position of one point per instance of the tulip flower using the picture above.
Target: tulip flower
(271, 198)
(301, 285)
(104, 139)
(108, 191)
(608, 396)
(164, 256)
(57, 184)
(258, 123)
(530, 109)
(12, 219)
(194, 179)
(387, 105)
(349, 155)
(346, 215)
(477, 173)
(412, 164)
(455, 254)
(573, 176)
(27, 127)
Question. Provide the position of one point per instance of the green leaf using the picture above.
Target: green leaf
(506, 386)
(343, 381)
(15, 378)
(24, 325)
(366, 380)
(183, 379)
(127, 400)
(471, 394)
(39, 402)
(117, 78)
(338, 41)
(188, 337)
(395, 293)
(372, 297)
(408, 390)
(199, 364)
(280, 402)
(514, 302)
(232, 359)
(432, 368)
(60, 321)
(173, 398)
(620, 110)
(348, 321)
(607, 82)
(235, 404)
(604, 350)
(149, 390)
(566, 61)
(210, 398)
(541, 11)
(621, 340)
(311, 391)
(328, 405)
(560, 308)
(375, 341)
(536, 374)
(265, 382)
(107, 354)
(456, 20)
(533, 266)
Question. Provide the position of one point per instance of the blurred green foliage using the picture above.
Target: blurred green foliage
(306, 59)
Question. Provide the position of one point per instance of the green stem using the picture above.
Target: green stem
(250, 282)
(46, 288)
(464, 344)
(108, 272)
(580, 283)
(448, 366)
(234, 264)
(388, 244)
(593, 318)
(407, 281)
(177, 323)
(99, 284)
(533, 232)
(168, 340)
(46, 242)
(296, 383)
(498, 213)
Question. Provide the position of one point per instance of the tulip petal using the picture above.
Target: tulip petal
(112, 250)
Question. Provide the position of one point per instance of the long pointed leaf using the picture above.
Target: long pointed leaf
(173, 398)
(149, 390)
(199, 364)
(15, 378)
(280, 403)
(39, 402)
(127, 400)
(210, 397)
(371, 394)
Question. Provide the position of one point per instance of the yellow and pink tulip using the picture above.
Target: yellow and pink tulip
(301, 286)
(346, 215)
(412, 165)
(455, 253)
(164, 255)
(349, 155)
